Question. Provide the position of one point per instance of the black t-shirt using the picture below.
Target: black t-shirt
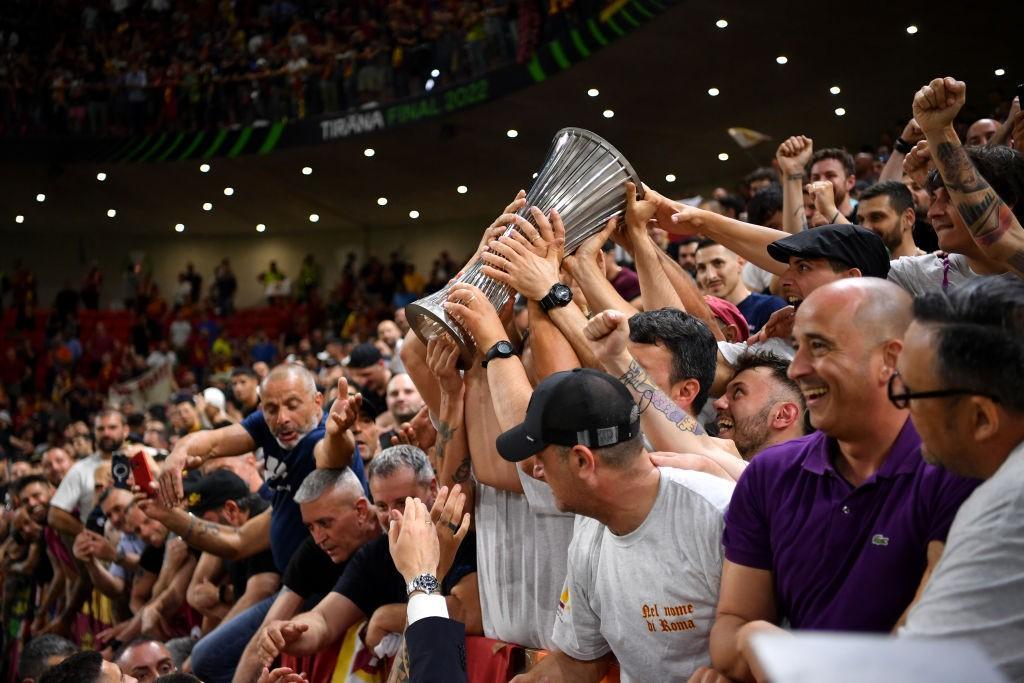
(371, 579)
(311, 572)
(151, 559)
(241, 571)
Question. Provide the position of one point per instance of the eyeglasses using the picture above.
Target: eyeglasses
(900, 395)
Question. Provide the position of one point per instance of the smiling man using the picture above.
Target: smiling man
(719, 273)
(835, 530)
(761, 405)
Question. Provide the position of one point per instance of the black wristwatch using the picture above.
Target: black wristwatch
(502, 349)
(902, 146)
(559, 295)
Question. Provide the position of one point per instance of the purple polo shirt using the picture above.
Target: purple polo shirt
(842, 558)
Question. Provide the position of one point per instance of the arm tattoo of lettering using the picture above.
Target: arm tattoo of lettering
(649, 395)
(986, 215)
(445, 432)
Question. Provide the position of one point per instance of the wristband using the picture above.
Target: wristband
(902, 146)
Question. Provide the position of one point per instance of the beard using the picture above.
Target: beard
(108, 444)
(314, 421)
(751, 434)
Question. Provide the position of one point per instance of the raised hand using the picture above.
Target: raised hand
(474, 312)
(344, 411)
(281, 675)
(413, 541)
(793, 155)
(639, 212)
(824, 199)
(586, 253)
(451, 525)
(442, 359)
(918, 162)
(500, 224)
(779, 324)
(513, 261)
(607, 332)
(912, 132)
(937, 104)
(172, 491)
(418, 432)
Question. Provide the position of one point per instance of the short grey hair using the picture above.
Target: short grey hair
(390, 460)
(320, 481)
(290, 371)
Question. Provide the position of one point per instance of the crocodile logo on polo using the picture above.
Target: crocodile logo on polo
(879, 539)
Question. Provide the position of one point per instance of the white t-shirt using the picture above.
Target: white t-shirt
(649, 596)
(977, 590)
(756, 278)
(76, 489)
(521, 546)
(921, 274)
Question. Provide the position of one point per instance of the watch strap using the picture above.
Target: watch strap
(496, 352)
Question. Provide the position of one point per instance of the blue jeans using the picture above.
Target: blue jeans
(216, 655)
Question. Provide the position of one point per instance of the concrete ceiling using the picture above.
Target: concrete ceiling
(655, 80)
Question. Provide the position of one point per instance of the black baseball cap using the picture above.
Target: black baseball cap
(212, 490)
(363, 356)
(853, 245)
(576, 407)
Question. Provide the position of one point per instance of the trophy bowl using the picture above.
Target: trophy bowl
(583, 178)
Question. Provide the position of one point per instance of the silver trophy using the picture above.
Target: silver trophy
(583, 178)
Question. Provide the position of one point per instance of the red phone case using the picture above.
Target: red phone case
(142, 474)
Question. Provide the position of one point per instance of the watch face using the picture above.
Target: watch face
(562, 294)
(505, 347)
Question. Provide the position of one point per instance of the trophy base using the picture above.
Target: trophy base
(430, 322)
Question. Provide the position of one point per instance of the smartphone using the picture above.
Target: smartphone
(1020, 94)
(120, 470)
(142, 474)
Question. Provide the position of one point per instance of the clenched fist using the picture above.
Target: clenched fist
(938, 103)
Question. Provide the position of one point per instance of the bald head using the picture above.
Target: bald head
(289, 373)
(981, 131)
(879, 309)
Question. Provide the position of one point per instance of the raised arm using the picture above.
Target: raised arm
(335, 450)
(793, 155)
(195, 449)
(226, 542)
(482, 430)
(656, 290)
(989, 220)
(451, 450)
(893, 169)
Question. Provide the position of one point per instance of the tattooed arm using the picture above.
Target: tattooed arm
(793, 155)
(995, 229)
(667, 426)
(451, 450)
(226, 542)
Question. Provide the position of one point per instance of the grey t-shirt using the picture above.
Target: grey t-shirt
(649, 596)
(977, 589)
(927, 273)
(521, 546)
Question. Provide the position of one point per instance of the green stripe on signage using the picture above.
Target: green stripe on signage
(170, 150)
(629, 17)
(596, 32)
(536, 70)
(192, 145)
(135, 150)
(217, 142)
(581, 47)
(154, 148)
(638, 6)
(614, 26)
(559, 54)
(240, 142)
(273, 135)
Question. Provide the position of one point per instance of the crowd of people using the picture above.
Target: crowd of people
(712, 423)
(89, 68)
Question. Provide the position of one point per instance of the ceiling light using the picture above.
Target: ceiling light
(462, 189)
(1000, 72)
(534, 175)
(670, 178)
(608, 113)
(593, 92)
(101, 176)
(19, 219)
(512, 133)
(435, 73)
(721, 23)
(180, 227)
(911, 29)
(368, 152)
(260, 227)
(228, 191)
(414, 214)
(382, 201)
(40, 197)
(313, 217)
(724, 156)
(204, 168)
(111, 213)
(207, 206)
(713, 92)
(782, 59)
(835, 90)
(429, 85)
(840, 111)
(306, 170)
